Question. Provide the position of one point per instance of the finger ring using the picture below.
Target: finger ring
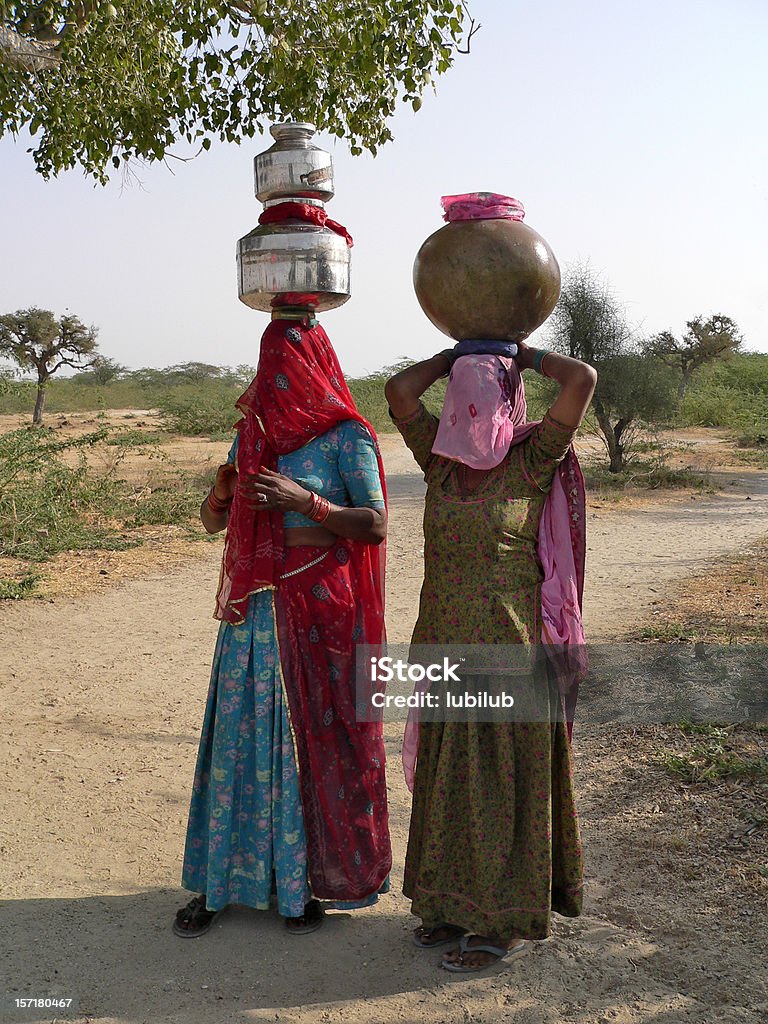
(262, 497)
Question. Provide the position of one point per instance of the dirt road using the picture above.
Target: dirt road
(103, 698)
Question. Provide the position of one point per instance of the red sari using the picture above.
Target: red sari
(299, 392)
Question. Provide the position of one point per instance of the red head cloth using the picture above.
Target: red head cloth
(298, 392)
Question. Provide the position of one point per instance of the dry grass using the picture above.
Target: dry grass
(715, 791)
(728, 604)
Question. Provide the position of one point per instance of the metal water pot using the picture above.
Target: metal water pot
(489, 279)
(277, 261)
(293, 262)
(293, 167)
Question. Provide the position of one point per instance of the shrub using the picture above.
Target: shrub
(732, 394)
(48, 505)
(201, 410)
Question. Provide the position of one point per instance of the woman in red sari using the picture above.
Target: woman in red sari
(289, 796)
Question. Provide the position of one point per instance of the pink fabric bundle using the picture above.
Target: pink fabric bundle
(481, 206)
(484, 406)
(480, 398)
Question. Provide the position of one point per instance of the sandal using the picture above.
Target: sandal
(309, 921)
(499, 952)
(195, 919)
(420, 934)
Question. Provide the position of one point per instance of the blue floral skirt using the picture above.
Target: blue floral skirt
(245, 838)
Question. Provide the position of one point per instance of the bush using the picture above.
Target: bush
(201, 410)
(48, 505)
(17, 590)
(176, 500)
(731, 394)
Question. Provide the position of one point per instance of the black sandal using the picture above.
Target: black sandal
(309, 921)
(195, 919)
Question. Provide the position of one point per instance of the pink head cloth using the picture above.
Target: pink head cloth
(481, 206)
(484, 404)
(562, 528)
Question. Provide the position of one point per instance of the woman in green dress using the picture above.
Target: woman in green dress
(494, 843)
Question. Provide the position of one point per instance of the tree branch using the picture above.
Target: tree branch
(472, 29)
(27, 54)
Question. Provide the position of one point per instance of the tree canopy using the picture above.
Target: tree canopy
(35, 340)
(98, 84)
(589, 323)
(717, 337)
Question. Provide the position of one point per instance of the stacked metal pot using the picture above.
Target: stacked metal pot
(293, 262)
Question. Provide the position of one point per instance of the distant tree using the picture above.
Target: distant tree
(35, 340)
(717, 337)
(243, 374)
(636, 391)
(147, 377)
(633, 388)
(104, 370)
(98, 83)
(194, 372)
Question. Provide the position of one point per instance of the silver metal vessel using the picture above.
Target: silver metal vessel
(293, 167)
(293, 262)
(277, 260)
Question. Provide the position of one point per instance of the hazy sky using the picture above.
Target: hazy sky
(634, 133)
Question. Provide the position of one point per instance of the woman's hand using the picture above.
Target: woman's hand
(524, 357)
(224, 488)
(226, 482)
(269, 490)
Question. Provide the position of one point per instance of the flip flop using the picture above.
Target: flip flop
(457, 933)
(197, 915)
(312, 919)
(500, 952)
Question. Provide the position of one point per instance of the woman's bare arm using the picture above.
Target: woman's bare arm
(224, 490)
(404, 390)
(285, 495)
(576, 379)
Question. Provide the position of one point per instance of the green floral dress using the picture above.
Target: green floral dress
(494, 840)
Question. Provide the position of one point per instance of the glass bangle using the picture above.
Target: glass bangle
(538, 359)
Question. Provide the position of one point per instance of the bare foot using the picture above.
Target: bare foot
(429, 938)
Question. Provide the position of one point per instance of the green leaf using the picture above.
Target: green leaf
(151, 72)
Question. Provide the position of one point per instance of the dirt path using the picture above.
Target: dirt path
(103, 698)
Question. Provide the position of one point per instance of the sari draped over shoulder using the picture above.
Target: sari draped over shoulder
(324, 601)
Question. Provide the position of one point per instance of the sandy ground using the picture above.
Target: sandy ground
(103, 696)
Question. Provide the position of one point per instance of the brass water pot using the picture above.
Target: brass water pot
(490, 279)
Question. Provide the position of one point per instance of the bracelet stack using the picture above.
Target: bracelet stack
(216, 505)
(320, 508)
(538, 359)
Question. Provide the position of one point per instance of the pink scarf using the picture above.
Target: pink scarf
(482, 206)
(482, 392)
(483, 411)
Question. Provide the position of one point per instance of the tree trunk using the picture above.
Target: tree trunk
(621, 452)
(37, 416)
(612, 442)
